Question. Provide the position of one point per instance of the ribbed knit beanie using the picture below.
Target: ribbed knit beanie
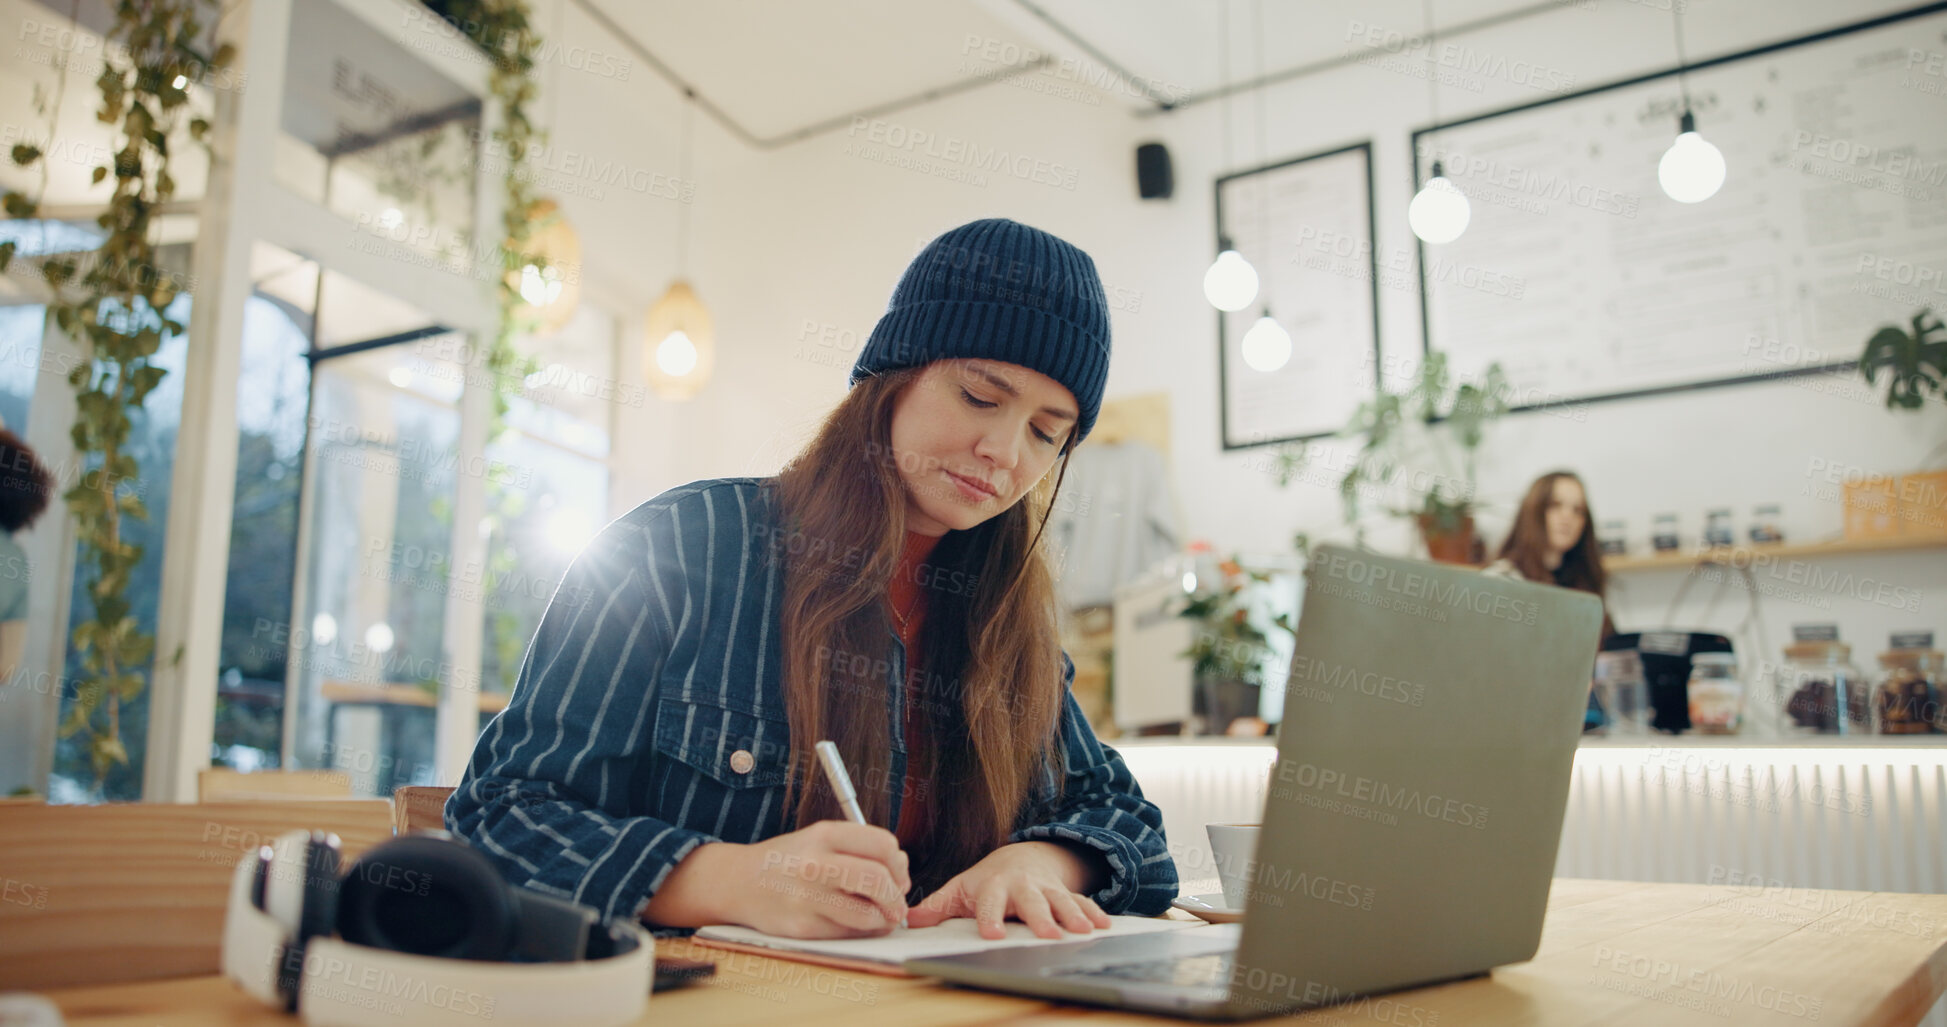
(999, 290)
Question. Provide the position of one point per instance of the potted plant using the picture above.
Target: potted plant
(1228, 649)
(1418, 448)
(1917, 361)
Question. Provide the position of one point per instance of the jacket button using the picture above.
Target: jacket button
(742, 761)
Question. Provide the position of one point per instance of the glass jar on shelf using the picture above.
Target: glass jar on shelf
(1717, 528)
(1907, 701)
(1663, 533)
(1623, 693)
(1767, 524)
(1716, 694)
(1612, 539)
(1821, 692)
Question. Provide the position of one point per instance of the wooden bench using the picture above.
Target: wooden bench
(134, 891)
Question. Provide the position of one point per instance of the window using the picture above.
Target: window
(273, 393)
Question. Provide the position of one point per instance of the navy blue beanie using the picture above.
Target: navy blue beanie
(999, 290)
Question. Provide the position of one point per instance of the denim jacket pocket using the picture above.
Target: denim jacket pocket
(735, 749)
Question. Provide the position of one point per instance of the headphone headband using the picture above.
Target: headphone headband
(341, 984)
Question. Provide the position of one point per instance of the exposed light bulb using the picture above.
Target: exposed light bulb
(1267, 346)
(324, 629)
(1692, 170)
(379, 637)
(1439, 211)
(540, 287)
(676, 354)
(180, 81)
(1231, 282)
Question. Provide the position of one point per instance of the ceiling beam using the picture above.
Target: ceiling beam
(1459, 28)
(796, 135)
(1158, 104)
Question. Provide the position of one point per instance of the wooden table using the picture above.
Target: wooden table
(1613, 952)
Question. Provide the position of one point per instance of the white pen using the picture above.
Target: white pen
(848, 798)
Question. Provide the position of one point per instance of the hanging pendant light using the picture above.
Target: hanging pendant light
(678, 335)
(1267, 346)
(1230, 283)
(1692, 170)
(549, 283)
(679, 344)
(1439, 211)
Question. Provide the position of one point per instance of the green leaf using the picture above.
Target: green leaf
(25, 154)
(107, 750)
(146, 379)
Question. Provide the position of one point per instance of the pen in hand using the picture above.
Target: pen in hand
(841, 781)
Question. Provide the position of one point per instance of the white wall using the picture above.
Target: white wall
(799, 248)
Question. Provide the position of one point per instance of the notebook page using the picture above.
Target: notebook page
(950, 937)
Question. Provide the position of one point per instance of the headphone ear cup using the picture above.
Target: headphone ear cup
(304, 865)
(320, 913)
(283, 873)
(429, 896)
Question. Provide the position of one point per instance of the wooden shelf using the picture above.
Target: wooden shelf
(398, 695)
(1743, 554)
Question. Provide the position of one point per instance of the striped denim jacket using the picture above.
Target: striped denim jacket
(649, 718)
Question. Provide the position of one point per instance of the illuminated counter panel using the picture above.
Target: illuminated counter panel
(1856, 817)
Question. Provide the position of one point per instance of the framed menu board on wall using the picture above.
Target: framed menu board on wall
(1306, 226)
(1585, 282)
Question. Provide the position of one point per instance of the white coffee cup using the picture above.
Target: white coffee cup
(1234, 848)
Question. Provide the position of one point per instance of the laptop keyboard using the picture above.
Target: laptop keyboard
(1212, 971)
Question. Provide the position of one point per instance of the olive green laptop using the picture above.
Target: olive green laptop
(1431, 718)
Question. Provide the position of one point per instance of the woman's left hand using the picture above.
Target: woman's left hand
(1032, 882)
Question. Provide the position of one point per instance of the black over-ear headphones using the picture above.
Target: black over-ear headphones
(426, 932)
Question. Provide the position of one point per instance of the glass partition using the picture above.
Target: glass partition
(369, 658)
(273, 392)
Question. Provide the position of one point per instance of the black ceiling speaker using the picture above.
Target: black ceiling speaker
(1153, 178)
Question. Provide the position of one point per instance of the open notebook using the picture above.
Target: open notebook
(886, 953)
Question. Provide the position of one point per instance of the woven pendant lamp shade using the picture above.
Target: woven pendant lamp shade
(551, 291)
(679, 310)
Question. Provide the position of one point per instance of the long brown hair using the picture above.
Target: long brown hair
(989, 645)
(1527, 541)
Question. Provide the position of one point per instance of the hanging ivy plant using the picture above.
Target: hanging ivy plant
(504, 31)
(115, 303)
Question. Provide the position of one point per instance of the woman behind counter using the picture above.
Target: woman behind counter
(886, 590)
(1553, 540)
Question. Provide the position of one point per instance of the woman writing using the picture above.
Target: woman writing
(887, 591)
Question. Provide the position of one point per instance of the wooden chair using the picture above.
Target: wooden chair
(419, 808)
(222, 784)
(134, 891)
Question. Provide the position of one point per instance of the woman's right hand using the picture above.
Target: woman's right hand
(833, 879)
